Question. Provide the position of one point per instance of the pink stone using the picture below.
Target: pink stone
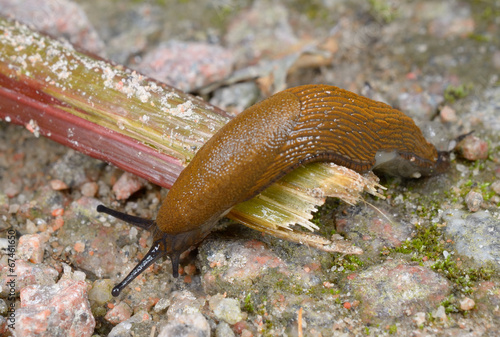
(48, 310)
(58, 185)
(474, 200)
(188, 65)
(448, 114)
(496, 187)
(57, 18)
(127, 185)
(473, 148)
(26, 274)
(467, 303)
(31, 247)
(89, 189)
(11, 189)
(121, 312)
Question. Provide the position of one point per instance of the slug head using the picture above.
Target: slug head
(163, 244)
(442, 163)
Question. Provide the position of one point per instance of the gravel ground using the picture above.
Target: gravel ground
(432, 247)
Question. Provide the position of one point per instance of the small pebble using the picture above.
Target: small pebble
(419, 318)
(121, 312)
(12, 189)
(57, 212)
(127, 185)
(101, 291)
(447, 114)
(473, 148)
(440, 314)
(186, 325)
(31, 228)
(224, 330)
(162, 304)
(62, 18)
(246, 333)
(89, 189)
(31, 248)
(13, 208)
(79, 246)
(190, 269)
(496, 187)
(474, 200)
(123, 329)
(467, 304)
(27, 274)
(58, 185)
(226, 309)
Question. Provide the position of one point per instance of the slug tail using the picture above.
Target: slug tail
(133, 220)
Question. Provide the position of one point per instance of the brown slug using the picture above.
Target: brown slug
(293, 127)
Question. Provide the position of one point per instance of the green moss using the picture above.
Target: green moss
(262, 310)
(248, 304)
(316, 219)
(486, 192)
(382, 10)
(268, 326)
(280, 284)
(479, 37)
(450, 304)
(353, 262)
(393, 329)
(287, 286)
(463, 279)
(428, 242)
(314, 10)
(334, 291)
(348, 263)
(488, 12)
(453, 93)
(494, 150)
(430, 317)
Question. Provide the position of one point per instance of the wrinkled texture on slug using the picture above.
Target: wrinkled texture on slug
(293, 127)
(229, 168)
(350, 130)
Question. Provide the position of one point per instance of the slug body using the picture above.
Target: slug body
(269, 139)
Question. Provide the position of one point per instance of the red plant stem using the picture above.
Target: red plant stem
(102, 110)
(24, 104)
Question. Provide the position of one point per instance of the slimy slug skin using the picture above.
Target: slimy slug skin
(269, 139)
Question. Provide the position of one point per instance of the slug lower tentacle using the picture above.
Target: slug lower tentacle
(271, 138)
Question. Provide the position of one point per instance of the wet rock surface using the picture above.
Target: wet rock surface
(395, 289)
(475, 235)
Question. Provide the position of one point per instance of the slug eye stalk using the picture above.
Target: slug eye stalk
(153, 254)
(133, 220)
(162, 246)
(156, 251)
